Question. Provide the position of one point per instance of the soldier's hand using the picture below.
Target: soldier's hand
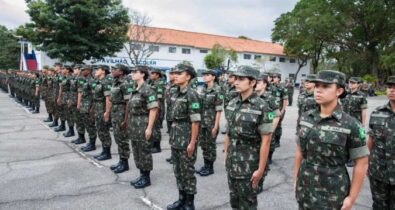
(106, 116)
(148, 134)
(123, 125)
(58, 101)
(256, 176)
(214, 132)
(190, 149)
(347, 203)
(78, 107)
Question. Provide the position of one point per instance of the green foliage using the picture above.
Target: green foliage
(369, 78)
(243, 37)
(9, 49)
(77, 30)
(218, 55)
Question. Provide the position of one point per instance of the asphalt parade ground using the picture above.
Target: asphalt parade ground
(40, 169)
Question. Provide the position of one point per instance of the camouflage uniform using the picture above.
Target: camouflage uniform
(354, 103)
(170, 92)
(282, 94)
(382, 158)
(306, 101)
(139, 105)
(50, 96)
(159, 89)
(101, 89)
(72, 103)
(65, 84)
(88, 121)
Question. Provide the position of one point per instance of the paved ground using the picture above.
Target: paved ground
(40, 169)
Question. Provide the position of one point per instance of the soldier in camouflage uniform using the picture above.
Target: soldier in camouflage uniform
(101, 90)
(142, 111)
(306, 101)
(282, 94)
(120, 94)
(55, 94)
(170, 98)
(183, 136)
(85, 107)
(247, 140)
(76, 116)
(63, 97)
(50, 98)
(157, 85)
(212, 105)
(381, 143)
(289, 85)
(36, 93)
(44, 91)
(71, 103)
(229, 91)
(327, 138)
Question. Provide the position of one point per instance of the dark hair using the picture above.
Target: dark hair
(144, 70)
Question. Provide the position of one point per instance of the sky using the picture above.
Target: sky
(251, 18)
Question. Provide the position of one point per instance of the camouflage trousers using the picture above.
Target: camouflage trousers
(71, 115)
(383, 194)
(78, 122)
(208, 144)
(62, 111)
(88, 123)
(156, 133)
(50, 106)
(56, 111)
(277, 135)
(142, 154)
(36, 101)
(103, 128)
(242, 195)
(120, 135)
(184, 170)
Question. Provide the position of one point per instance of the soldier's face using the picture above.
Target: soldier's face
(231, 79)
(243, 84)
(171, 77)
(116, 73)
(309, 85)
(154, 76)
(137, 75)
(77, 71)
(99, 72)
(260, 85)
(208, 78)
(276, 80)
(326, 93)
(353, 85)
(391, 92)
(181, 78)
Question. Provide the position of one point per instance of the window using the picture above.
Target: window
(303, 75)
(273, 59)
(247, 56)
(135, 46)
(292, 60)
(256, 57)
(186, 51)
(172, 49)
(154, 48)
(282, 59)
(203, 51)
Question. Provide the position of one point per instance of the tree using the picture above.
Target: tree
(217, 57)
(141, 38)
(75, 31)
(9, 49)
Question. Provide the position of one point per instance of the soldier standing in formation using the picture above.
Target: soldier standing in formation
(170, 98)
(247, 140)
(306, 101)
(63, 97)
(282, 94)
(142, 110)
(72, 102)
(290, 90)
(212, 106)
(327, 138)
(381, 142)
(183, 136)
(229, 91)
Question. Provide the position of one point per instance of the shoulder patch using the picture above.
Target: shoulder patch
(151, 98)
(270, 115)
(195, 105)
(362, 134)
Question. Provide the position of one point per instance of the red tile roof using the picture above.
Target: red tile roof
(207, 41)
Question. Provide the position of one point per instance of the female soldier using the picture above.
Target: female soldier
(327, 138)
(183, 136)
(141, 112)
(247, 140)
(212, 103)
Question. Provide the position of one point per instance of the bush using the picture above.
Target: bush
(369, 78)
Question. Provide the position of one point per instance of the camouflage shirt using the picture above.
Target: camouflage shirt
(212, 102)
(73, 89)
(247, 121)
(281, 93)
(65, 84)
(85, 88)
(354, 103)
(306, 102)
(229, 94)
(170, 98)
(100, 89)
(186, 109)
(120, 94)
(382, 131)
(272, 102)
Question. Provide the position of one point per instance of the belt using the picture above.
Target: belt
(118, 103)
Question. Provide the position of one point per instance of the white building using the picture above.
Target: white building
(175, 46)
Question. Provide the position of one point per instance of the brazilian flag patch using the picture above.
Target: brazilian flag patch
(130, 90)
(109, 86)
(151, 98)
(362, 134)
(160, 90)
(195, 105)
(270, 115)
(221, 97)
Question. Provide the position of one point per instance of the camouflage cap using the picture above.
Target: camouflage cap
(86, 67)
(77, 66)
(331, 77)
(263, 76)
(121, 67)
(276, 74)
(210, 71)
(310, 77)
(103, 67)
(156, 70)
(68, 68)
(247, 71)
(355, 79)
(183, 67)
(390, 80)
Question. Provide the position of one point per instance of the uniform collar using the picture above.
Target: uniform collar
(250, 98)
(337, 114)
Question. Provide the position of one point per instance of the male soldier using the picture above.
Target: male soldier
(290, 89)
(84, 106)
(306, 99)
(282, 95)
(170, 98)
(11, 82)
(355, 104)
(36, 97)
(247, 141)
(120, 94)
(71, 104)
(157, 85)
(101, 101)
(50, 97)
(381, 143)
(55, 91)
(229, 91)
(64, 88)
(44, 91)
(77, 117)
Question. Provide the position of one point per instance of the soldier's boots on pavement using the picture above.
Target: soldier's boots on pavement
(207, 169)
(104, 155)
(90, 146)
(123, 166)
(177, 205)
(143, 181)
(49, 119)
(36, 110)
(189, 202)
(113, 167)
(70, 132)
(156, 147)
(62, 126)
(54, 123)
(80, 139)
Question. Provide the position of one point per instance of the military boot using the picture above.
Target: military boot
(54, 123)
(207, 169)
(69, 133)
(62, 126)
(36, 110)
(189, 202)
(80, 140)
(105, 155)
(49, 119)
(179, 203)
(133, 182)
(113, 167)
(145, 180)
(90, 146)
(124, 166)
(156, 147)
